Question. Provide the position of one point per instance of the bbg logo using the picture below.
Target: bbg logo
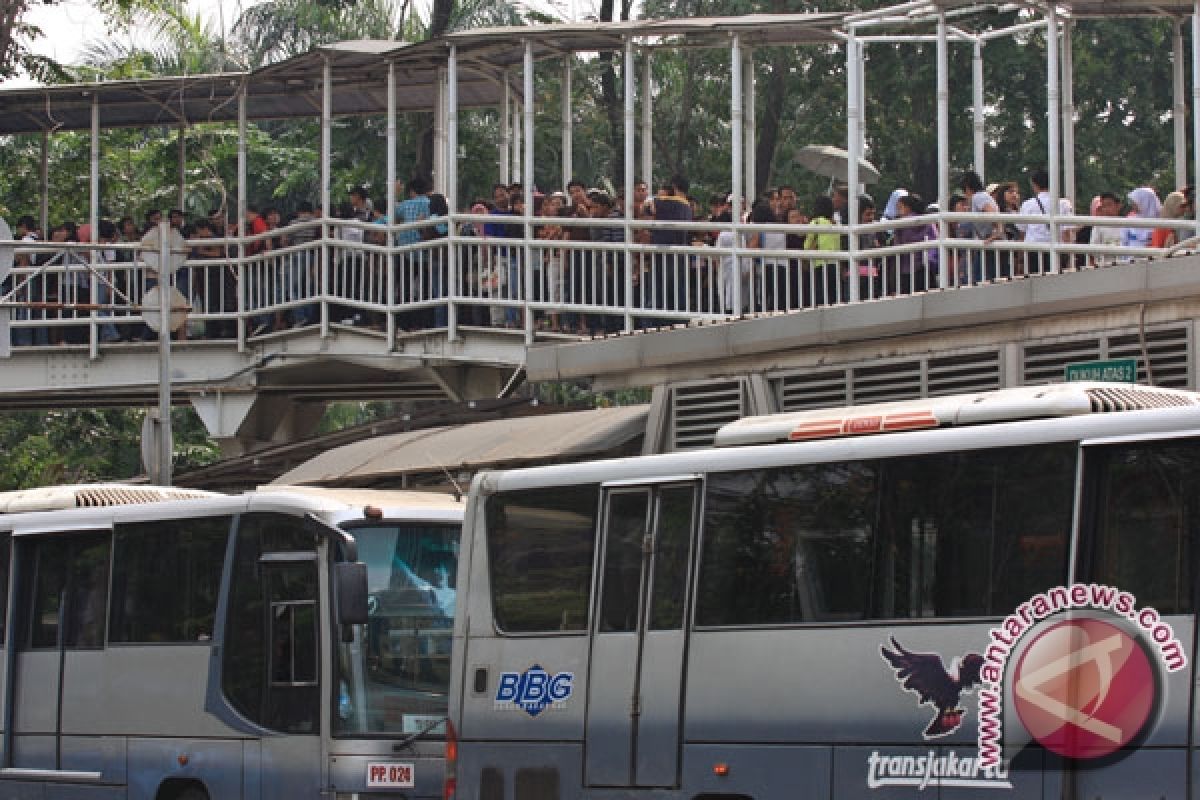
(533, 690)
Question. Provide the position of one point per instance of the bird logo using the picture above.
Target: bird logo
(926, 676)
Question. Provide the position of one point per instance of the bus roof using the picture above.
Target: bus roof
(1003, 405)
(94, 495)
(381, 498)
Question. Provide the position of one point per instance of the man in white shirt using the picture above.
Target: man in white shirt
(1103, 235)
(1039, 262)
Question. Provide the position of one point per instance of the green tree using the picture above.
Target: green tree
(87, 445)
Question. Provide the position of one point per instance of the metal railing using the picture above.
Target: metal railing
(590, 276)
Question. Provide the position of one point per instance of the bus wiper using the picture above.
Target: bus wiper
(412, 737)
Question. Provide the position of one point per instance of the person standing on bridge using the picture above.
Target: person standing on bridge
(670, 268)
(983, 259)
(414, 280)
(1038, 262)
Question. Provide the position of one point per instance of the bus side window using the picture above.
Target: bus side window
(269, 667)
(1143, 504)
(626, 527)
(541, 544)
(166, 577)
(70, 585)
(292, 590)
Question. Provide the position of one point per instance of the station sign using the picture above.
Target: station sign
(1114, 370)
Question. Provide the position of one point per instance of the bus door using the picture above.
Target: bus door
(639, 638)
(56, 646)
(1139, 529)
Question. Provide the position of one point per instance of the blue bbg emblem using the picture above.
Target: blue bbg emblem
(534, 690)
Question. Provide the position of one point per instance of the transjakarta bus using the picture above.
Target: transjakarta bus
(828, 603)
(286, 643)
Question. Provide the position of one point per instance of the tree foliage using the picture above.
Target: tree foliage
(86, 445)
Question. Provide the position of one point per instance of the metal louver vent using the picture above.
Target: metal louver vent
(804, 390)
(1167, 349)
(1045, 363)
(93, 497)
(1135, 398)
(959, 374)
(881, 383)
(699, 410)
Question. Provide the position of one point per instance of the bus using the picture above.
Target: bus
(987, 595)
(288, 642)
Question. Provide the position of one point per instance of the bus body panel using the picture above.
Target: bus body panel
(107, 692)
(815, 710)
(485, 717)
(106, 755)
(287, 768)
(493, 771)
(658, 723)
(37, 694)
(610, 735)
(815, 685)
(214, 763)
(1147, 772)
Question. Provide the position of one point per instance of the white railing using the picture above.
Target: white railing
(604, 277)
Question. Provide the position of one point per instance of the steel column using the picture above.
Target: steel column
(978, 126)
(735, 104)
(94, 223)
(853, 151)
(163, 440)
(1054, 142)
(240, 227)
(506, 131)
(1068, 112)
(528, 106)
(748, 133)
(390, 211)
(568, 167)
(326, 208)
(439, 134)
(647, 118)
(630, 69)
(1196, 98)
(1179, 109)
(452, 191)
(182, 166)
(943, 135)
(45, 181)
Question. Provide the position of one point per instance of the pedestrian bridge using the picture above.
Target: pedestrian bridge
(271, 336)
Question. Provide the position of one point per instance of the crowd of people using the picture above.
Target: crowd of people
(575, 264)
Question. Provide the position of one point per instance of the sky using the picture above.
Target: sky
(69, 25)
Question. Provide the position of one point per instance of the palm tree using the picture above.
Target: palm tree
(280, 29)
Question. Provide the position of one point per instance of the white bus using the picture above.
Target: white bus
(985, 595)
(285, 643)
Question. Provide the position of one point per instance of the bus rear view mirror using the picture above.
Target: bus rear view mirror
(351, 582)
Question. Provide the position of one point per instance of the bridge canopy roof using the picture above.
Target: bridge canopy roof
(292, 88)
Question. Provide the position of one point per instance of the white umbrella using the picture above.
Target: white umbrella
(831, 162)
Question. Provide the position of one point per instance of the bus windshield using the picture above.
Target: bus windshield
(394, 677)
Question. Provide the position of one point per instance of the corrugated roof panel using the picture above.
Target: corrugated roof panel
(493, 443)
